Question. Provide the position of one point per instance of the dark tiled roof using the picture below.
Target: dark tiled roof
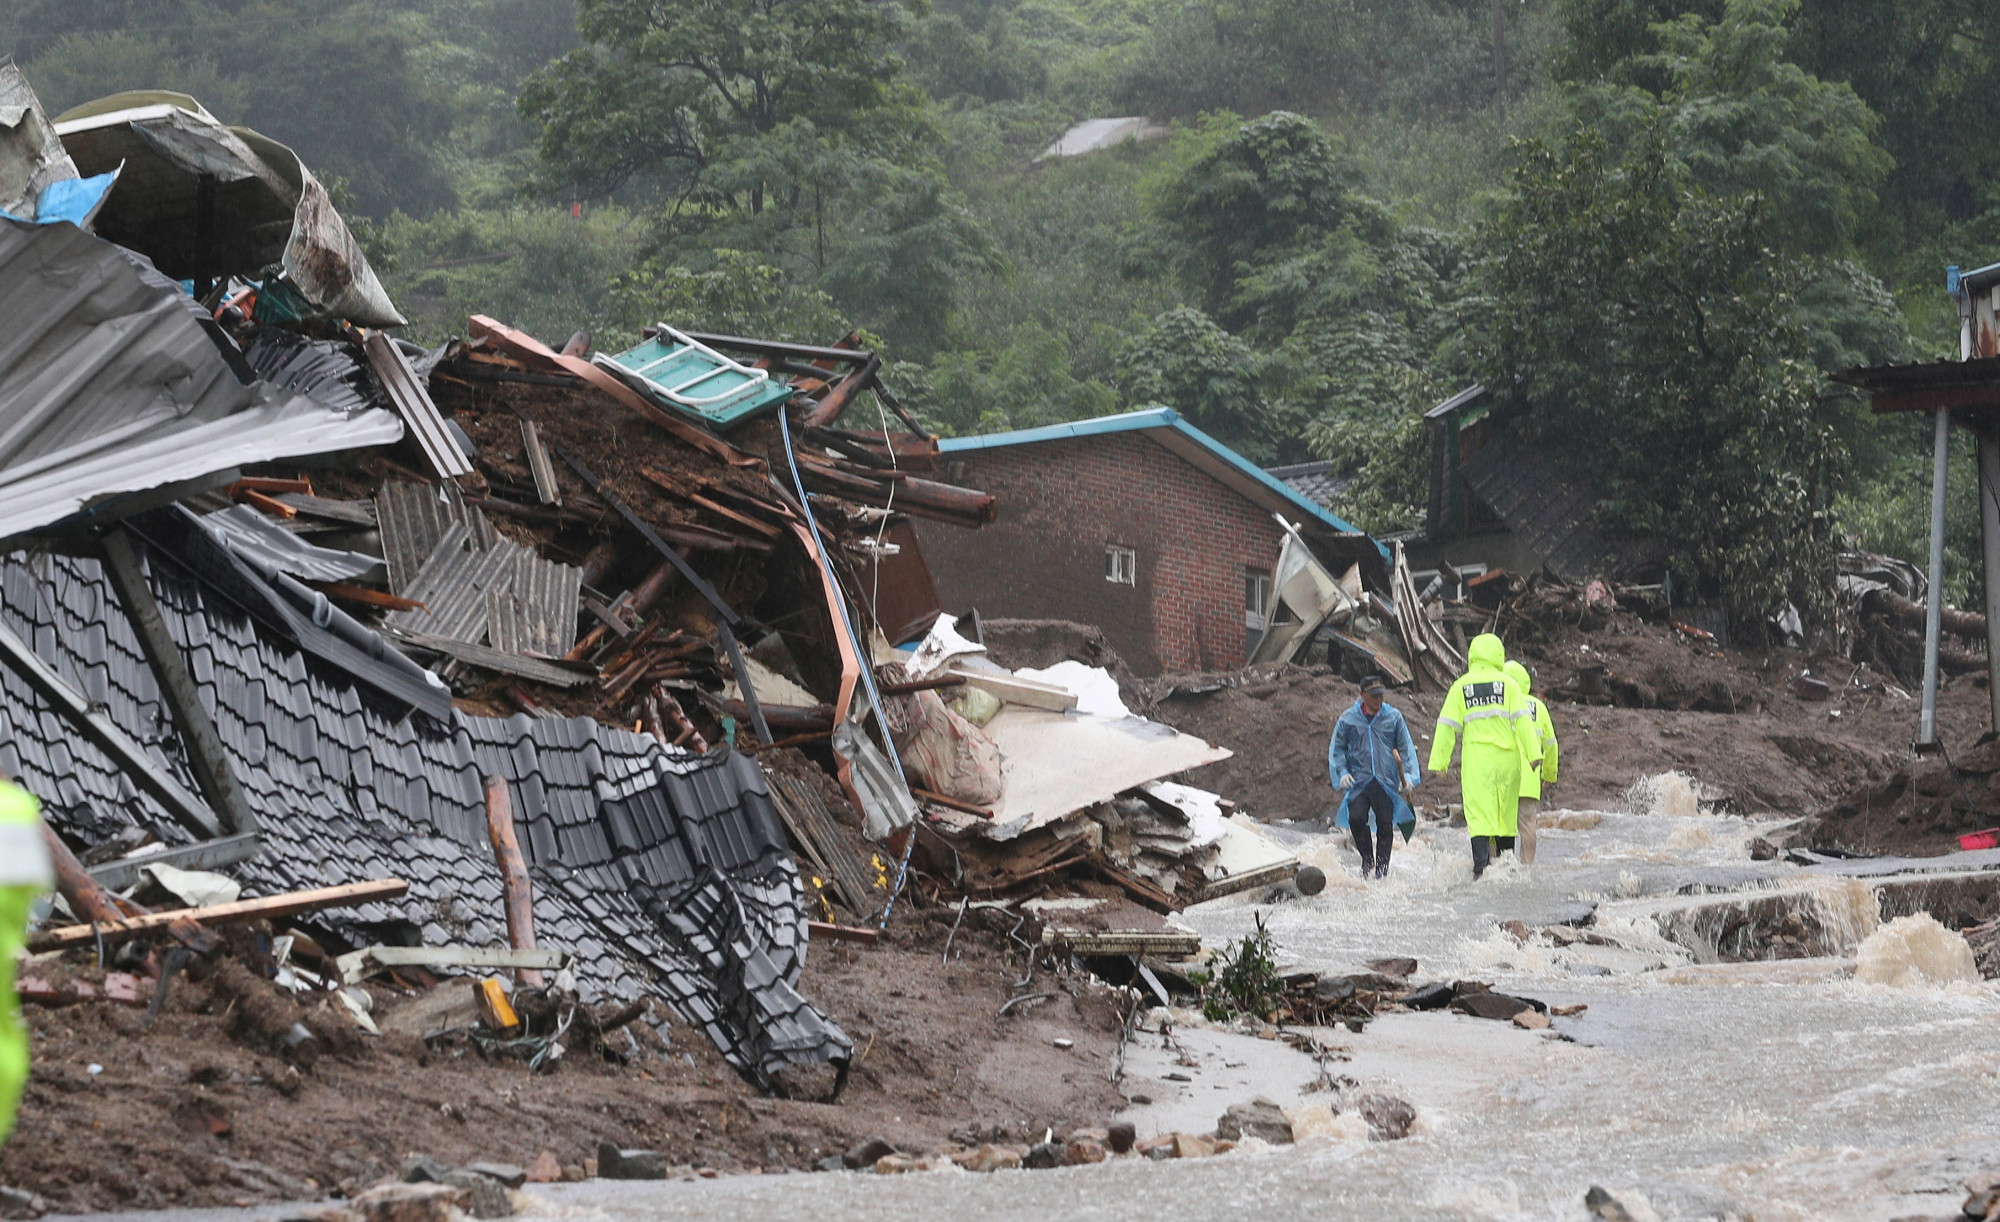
(1318, 482)
(1549, 508)
(663, 872)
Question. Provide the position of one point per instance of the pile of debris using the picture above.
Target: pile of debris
(538, 665)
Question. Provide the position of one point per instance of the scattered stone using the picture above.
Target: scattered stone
(1158, 1146)
(1497, 1006)
(1532, 1020)
(1193, 1145)
(990, 1157)
(20, 1203)
(589, 1167)
(1064, 1044)
(546, 1169)
(1516, 930)
(1806, 687)
(507, 1173)
(1575, 914)
(1605, 1207)
(1120, 1137)
(1569, 1011)
(485, 1197)
(868, 1153)
(1083, 1149)
(1310, 880)
(408, 1202)
(1340, 988)
(832, 1162)
(616, 1164)
(1398, 966)
(898, 1163)
(1434, 996)
(574, 1173)
(1141, 1100)
(1984, 1201)
(1043, 1155)
(1176, 1077)
(1389, 1118)
(1259, 1118)
(423, 1169)
(1763, 850)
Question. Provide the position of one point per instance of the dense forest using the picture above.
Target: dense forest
(1660, 224)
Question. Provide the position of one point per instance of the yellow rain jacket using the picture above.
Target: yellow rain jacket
(1532, 779)
(1490, 711)
(24, 874)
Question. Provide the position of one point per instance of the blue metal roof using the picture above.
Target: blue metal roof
(1166, 419)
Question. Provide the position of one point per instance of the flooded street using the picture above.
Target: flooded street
(1782, 1090)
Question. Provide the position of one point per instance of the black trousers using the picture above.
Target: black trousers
(1485, 849)
(1372, 803)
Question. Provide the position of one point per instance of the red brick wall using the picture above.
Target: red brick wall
(1061, 502)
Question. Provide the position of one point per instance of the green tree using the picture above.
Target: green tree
(1693, 350)
(1743, 118)
(739, 295)
(666, 89)
(1184, 360)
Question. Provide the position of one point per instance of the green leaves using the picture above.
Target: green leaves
(1633, 316)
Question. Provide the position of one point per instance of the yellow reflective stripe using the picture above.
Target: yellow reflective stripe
(24, 858)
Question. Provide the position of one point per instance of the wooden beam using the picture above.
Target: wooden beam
(267, 908)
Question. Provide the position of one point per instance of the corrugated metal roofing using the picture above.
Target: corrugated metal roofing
(109, 384)
(320, 369)
(269, 547)
(407, 392)
(413, 517)
(665, 873)
(1218, 460)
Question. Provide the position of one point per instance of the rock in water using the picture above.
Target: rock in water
(1497, 1006)
(1532, 1020)
(868, 1153)
(485, 1197)
(1433, 996)
(1310, 880)
(1260, 1118)
(1043, 1155)
(1605, 1207)
(1120, 1137)
(989, 1157)
(1401, 966)
(1389, 1118)
(616, 1164)
(1083, 1149)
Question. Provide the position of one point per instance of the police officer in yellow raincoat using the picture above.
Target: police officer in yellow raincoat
(24, 874)
(1532, 779)
(1490, 710)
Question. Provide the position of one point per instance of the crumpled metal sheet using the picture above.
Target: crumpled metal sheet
(110, 383)
(269, 547)
(31, 155)
(203, 199)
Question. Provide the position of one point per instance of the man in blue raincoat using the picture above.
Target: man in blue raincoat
(1372, 761)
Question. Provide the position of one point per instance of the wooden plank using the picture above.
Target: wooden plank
(356, 966)
(266, 908)
(929, 795)
(1019, 691)
(821, 931)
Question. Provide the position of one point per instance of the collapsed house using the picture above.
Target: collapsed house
(407, 640)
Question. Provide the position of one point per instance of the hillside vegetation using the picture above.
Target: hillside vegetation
(1660, 223)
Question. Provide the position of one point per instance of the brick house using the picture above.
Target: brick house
(1140, 524)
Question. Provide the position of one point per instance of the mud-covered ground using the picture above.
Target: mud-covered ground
(1844, 761)
(187, 1113)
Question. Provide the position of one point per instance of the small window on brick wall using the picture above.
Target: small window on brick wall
(1121, 565)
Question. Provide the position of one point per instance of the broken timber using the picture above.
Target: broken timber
(356, 966)
(266, 908)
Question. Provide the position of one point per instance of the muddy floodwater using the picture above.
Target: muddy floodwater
(1783, 1090)
(1689, 1088)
